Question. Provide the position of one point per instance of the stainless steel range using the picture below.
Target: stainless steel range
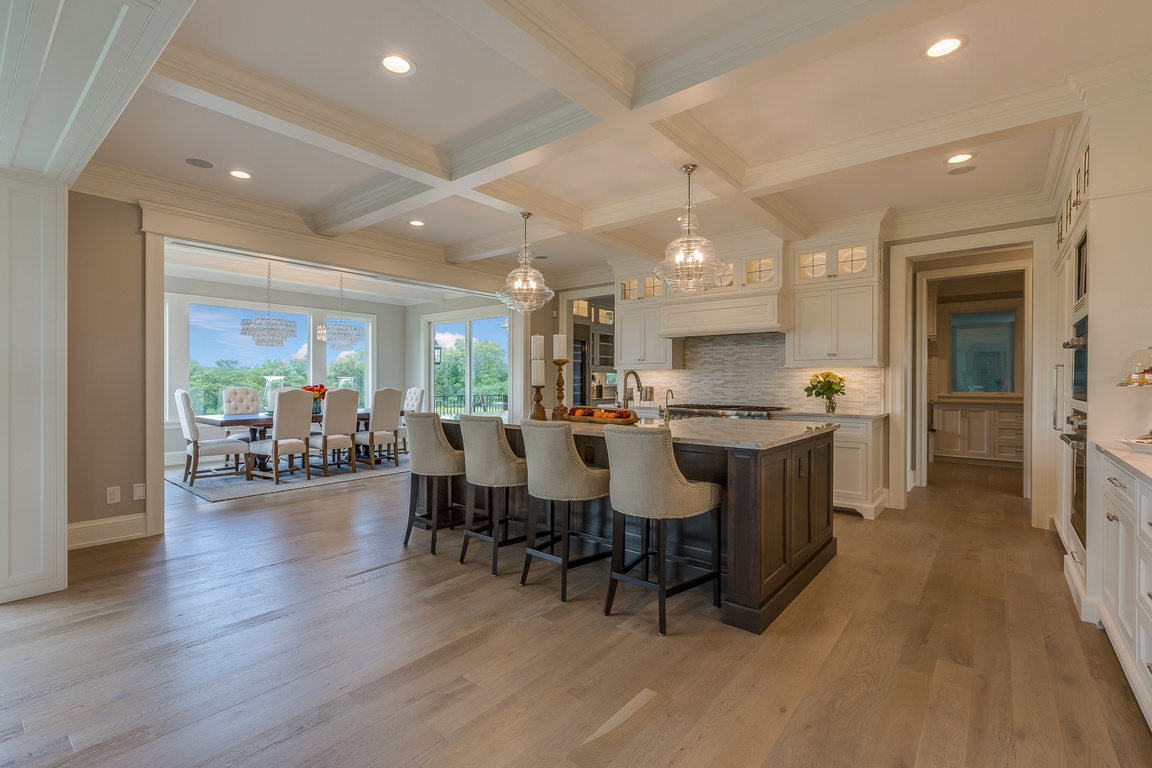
(692, 410)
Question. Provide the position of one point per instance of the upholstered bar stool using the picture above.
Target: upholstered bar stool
(556, 473)
(490, 464)
(337, 428)
(651, 487)
(430, 457)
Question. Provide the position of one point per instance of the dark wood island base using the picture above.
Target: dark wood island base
(777, 479)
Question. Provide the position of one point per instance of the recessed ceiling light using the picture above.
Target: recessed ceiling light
(962, 170)
(416, 223)
(240, 174)
(948, 45)
(397, 64)
(197, 162)
(963, 157)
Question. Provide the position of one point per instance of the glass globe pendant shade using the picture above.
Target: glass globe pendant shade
(690, 265)
(524, 290)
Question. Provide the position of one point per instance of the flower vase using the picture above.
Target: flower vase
(317, 405)
(829, 406)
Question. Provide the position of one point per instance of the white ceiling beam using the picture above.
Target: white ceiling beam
(499, 245)
(522, 197)
(692, 136)
(359, 211)
(635, 243)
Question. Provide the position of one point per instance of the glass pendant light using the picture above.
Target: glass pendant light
(690, 265)
(524, 291)
(341, 333)
(267, 329)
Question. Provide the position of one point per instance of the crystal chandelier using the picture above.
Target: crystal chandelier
(267, 329)
(524, 291)
(690, 265)
(341, 334)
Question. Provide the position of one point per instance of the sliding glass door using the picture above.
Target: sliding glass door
(470, 366)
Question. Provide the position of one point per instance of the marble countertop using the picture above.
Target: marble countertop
(750, 434)
(1139, 463)
(821, 416)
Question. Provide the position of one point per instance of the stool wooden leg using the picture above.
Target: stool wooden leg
(469, 516)
(645, 546)
(662, 574)
(618, 523)
(413, 505)
(716, 556)
(533, 515)
(494, 527)
(552, 526)
(565, 519)
(434, 510)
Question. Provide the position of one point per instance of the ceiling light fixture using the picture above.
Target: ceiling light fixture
(267, 329)
(341, 333)
(416, 223)
(945, 47)
(963, 157)
(240, 174)
(197, 162)
(524, 290)
(397, 64)
(690, 265)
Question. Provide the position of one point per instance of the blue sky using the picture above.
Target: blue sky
(214, 334)
(486, 330)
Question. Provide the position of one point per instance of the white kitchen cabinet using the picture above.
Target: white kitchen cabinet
(834, 325)
(760, 271)
(639, 344)
(858, 450)
(838, 261)
(1120, 563)
(962, 431)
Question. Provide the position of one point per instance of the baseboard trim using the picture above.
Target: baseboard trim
(867, 511)
(92, 533)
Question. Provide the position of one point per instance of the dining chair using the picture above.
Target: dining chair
(413, 401)
(195, 447)
(239, 400)
(663, 495)
(383, 424)
(337, 428)
(291, 422)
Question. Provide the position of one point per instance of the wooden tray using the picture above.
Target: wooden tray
(601, 420)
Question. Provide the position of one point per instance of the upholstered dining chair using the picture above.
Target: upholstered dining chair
(432, 457)
(383, 423)
(556, 473)
(291, 423)
(663, 494)
(239, 400)
(413, 401)
(196, 448)
(337, 428)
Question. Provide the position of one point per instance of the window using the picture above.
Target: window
(219, 357)
(813, 265)
(472, 375)
(606, 316)
(983, 351)
(760, 270)
(341, 365)
(851, 261)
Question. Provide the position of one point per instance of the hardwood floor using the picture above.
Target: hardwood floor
(276, 631)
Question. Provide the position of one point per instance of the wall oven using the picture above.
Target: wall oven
(1079, 346)
(1077, 441)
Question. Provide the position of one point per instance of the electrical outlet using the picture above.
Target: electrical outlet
(138, 492)
(113, 494)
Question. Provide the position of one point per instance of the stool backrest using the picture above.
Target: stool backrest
(292, 418)
(645, 479)
(187, 416)
(555, 470)
(340, 412)
(490, 460)
(385, 410)
(240, 400)
(429, 452)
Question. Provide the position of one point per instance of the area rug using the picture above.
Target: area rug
(226, 487)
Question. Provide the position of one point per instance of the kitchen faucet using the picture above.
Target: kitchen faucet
(624, 385)
(664, 413)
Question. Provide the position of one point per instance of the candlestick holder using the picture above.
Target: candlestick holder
(538, 412)
(559, 411)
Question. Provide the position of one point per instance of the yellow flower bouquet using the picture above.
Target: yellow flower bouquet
(826, 385)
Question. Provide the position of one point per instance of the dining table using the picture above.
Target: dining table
(259, 423)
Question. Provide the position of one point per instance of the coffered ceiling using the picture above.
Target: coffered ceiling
(799, 114)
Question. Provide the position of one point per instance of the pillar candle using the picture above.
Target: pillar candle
(538, 348)
(538, 371)
(560, 346)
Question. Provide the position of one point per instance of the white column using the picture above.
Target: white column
(33, 386)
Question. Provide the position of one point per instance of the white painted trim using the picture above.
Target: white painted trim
(156, 382)
(517, 348)
(93, 533)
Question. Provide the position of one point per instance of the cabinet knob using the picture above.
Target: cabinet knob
(1111, 517)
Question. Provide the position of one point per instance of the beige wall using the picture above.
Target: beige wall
(105, 356)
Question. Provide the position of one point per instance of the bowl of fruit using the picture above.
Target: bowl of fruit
(596, 415)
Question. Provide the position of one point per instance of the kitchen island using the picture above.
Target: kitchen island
(777, 482)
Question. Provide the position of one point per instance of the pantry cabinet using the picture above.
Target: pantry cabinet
(978, 431)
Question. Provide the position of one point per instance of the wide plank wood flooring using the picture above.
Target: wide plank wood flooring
(295, 630)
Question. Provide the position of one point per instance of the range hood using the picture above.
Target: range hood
(716, 315)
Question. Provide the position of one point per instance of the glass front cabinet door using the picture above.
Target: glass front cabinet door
(813, 266)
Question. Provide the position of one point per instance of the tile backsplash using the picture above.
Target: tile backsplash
(748, 369)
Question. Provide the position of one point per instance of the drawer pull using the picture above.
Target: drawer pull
(1111, 517)
(1117, 483)
(1075, 559)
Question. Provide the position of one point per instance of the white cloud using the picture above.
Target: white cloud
(346, 353)
(302, 353)
(446, 339)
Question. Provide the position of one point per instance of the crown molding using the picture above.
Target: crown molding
(182, 71)
(1113, 81)
(584, 278)
(359, 210)
(1023, 210)
(526, 135)
(638, 210)
(638, 245)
